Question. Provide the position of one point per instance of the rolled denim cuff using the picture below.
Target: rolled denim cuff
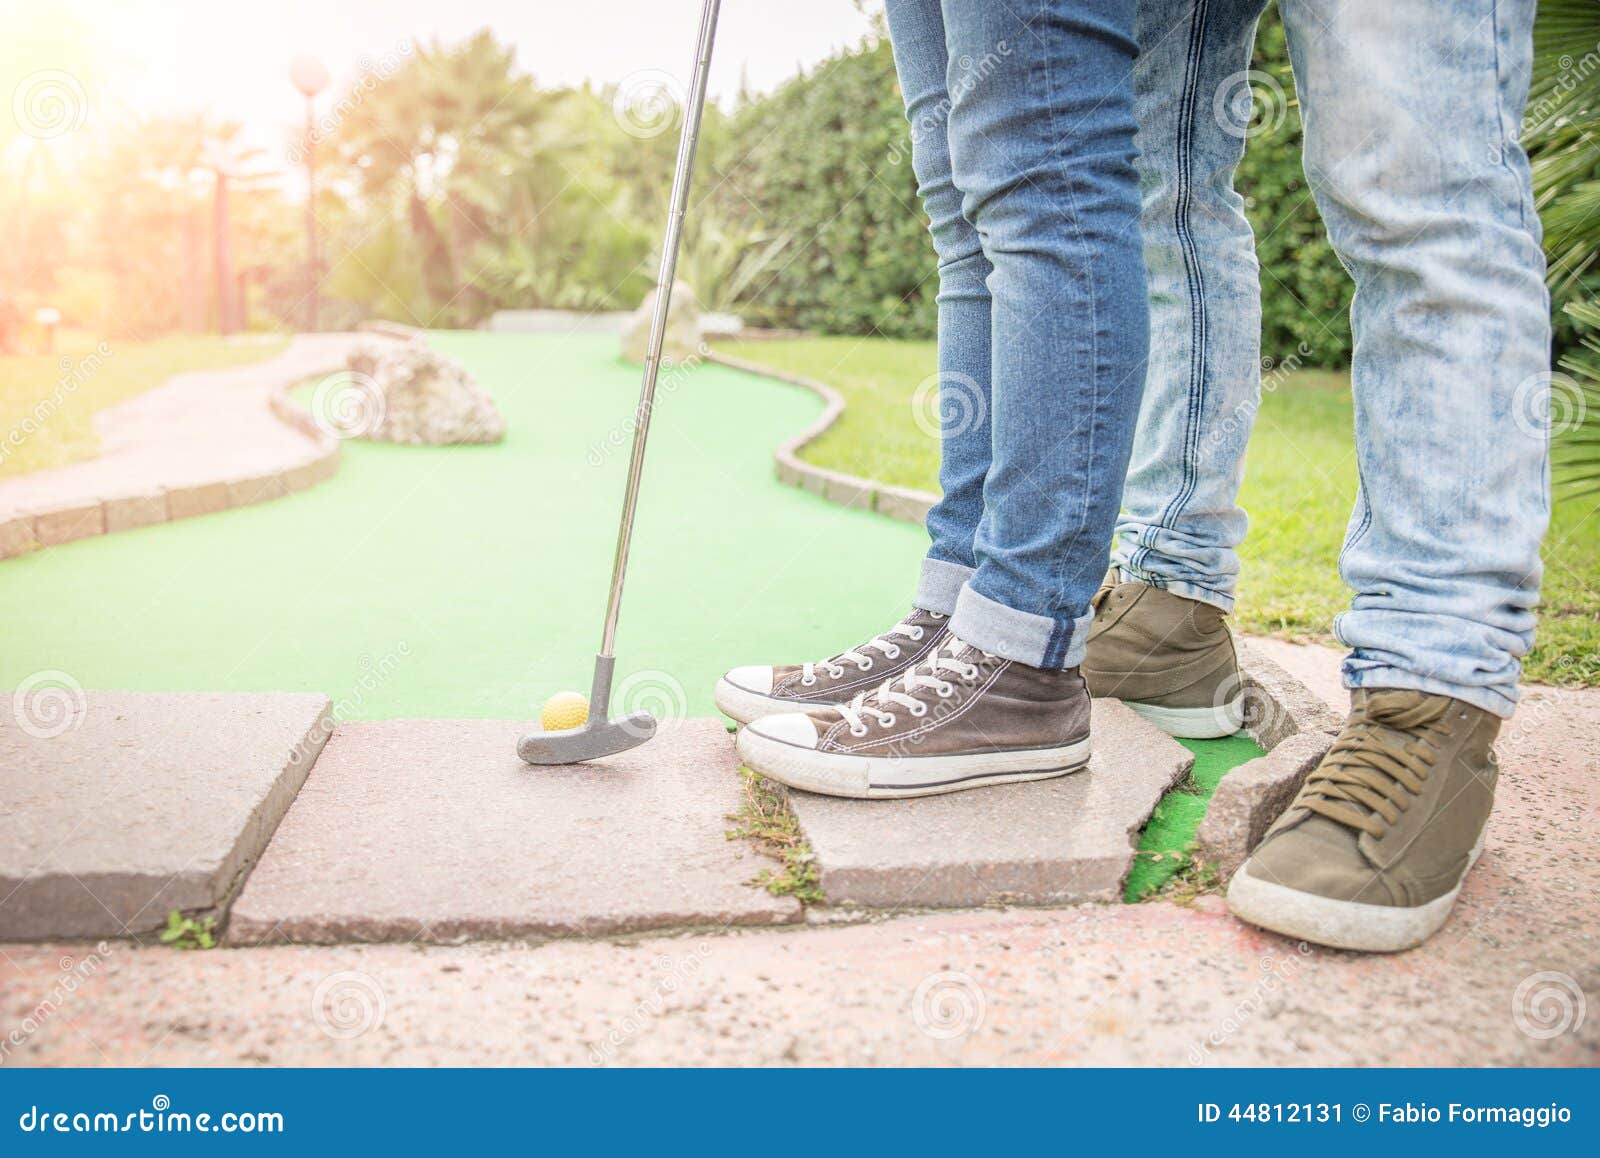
(1015, 635)
(941, 581)
(1221, 600)
(1493, 700)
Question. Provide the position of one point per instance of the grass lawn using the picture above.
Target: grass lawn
(1298, 489)
(48, 401)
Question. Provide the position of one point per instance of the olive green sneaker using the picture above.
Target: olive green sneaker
(1373, 850)
(1168, 658)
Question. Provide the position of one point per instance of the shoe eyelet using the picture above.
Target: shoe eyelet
(865, 665)
(971, 673)
(919, 711)
(835, 672)
(945, 691)
(893, 653)
(807, 681)
(886, 721)
(916, 634)
(859, 731)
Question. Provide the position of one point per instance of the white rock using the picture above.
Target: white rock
(427, 398)
(684, 336)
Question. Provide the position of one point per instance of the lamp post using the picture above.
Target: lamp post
(310, 76)
(223, 160)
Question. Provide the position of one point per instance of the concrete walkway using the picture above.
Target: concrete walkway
(200, 442)
(1513, 979)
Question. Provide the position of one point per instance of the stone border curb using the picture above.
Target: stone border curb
(398, 330)
(1296, 728)
(847, 490)
(52, 527)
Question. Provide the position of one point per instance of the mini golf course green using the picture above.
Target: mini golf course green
(469, 582)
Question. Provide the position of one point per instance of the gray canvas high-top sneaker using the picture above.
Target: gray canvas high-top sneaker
(961, 718)
(1373, 850)
(748, 692)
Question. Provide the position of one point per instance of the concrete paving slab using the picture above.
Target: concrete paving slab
(1512, 979)
(116, 807)
(1047, 842)
(434, 830)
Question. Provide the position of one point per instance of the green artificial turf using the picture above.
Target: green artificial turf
(470, 581)
(1164, 845)
(1299, 483)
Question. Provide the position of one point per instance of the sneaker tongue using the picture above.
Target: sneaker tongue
(1403, 709)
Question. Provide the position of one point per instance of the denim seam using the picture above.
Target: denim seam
(1500, 116)
(1195, 279)
(1060, 640)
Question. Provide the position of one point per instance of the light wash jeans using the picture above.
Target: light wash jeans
(1022, 142)
(1411, 114)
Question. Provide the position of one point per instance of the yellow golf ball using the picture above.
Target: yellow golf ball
(564, 710)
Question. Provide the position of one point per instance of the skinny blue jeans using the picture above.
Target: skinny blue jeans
(1022, 127)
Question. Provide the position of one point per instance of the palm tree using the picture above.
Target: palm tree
(438, 140)
(1562, 134)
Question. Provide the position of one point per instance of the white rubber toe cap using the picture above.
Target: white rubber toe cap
(793, 728)
(751, 679)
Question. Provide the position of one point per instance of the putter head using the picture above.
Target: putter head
(595, 739)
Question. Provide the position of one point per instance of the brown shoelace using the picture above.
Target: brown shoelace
(1377, 765)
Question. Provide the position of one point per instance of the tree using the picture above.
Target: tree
(1561, 131)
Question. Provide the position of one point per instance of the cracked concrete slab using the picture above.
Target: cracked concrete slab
(116, 807)
(1056, 841)
(434, 830)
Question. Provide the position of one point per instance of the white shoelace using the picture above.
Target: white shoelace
(925, 675)
(857, 655)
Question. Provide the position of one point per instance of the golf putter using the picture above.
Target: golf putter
(601, 735)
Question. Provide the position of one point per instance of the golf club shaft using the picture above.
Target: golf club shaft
(687, 141)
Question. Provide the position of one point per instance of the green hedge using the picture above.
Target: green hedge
(1305, 292)
(827, 159)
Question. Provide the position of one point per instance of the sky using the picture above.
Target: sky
(232, 57)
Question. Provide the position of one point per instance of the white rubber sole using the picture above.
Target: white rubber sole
(1340, 924)
(896, 777)
(742, 706)
(1194, 723)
